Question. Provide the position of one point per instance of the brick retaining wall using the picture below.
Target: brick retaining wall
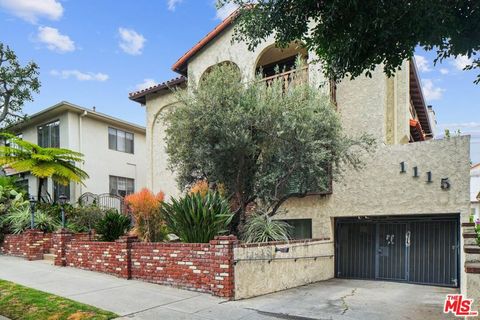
(205, 267)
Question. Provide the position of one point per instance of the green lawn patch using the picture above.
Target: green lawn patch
(19, 302)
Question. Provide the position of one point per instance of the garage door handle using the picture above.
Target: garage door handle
(407, 239)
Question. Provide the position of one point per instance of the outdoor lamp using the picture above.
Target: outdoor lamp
(62, 200)
(32, 212)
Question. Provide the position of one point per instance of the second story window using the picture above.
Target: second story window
(120, 140)
(49, 135)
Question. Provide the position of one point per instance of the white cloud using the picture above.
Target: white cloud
(422, 63)
(444, 71)
(226, 10)
(461, 62)
(430, 91)
(54, 40)
(172, 4)
(147, 83)
(32, 10)
(81, 76)
(131, 42)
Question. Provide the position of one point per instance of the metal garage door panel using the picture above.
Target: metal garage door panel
(391, 251)
(434, 252)
(356, 257)
(424, 250)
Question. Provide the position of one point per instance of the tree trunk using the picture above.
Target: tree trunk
(41, 182)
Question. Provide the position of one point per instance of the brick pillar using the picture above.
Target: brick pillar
(124, 262)
(222, 273)
(33, 244)
(60, 240)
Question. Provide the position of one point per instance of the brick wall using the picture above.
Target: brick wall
(204, 267)
(14, 245)
(107, 257)
(30, 244)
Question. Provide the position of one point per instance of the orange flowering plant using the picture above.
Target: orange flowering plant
(145, 209)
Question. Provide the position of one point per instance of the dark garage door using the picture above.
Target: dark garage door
(412, 249)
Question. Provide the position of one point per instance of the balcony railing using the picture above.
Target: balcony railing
(288, 78)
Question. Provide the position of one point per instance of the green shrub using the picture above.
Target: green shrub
(19, 220)
(196, 218)
(260, 227)
(85, 218)
(113, 225)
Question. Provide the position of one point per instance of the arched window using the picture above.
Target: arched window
(223, 63)
(275, 60)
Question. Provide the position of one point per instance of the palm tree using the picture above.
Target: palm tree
(57, 163)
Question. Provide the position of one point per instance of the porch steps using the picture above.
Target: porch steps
(472, 253)
(472, 267)
(48, 256)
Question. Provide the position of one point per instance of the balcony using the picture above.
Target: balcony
(288, 78)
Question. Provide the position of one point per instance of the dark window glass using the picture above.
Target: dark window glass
(301, 228)
(121, 186)
(59, 189)
(23, 185)
(120, 140)
(49, 135)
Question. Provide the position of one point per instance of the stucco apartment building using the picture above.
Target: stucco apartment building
(114, 150)
(397, 219)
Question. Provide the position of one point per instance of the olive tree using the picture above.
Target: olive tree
(265, 144)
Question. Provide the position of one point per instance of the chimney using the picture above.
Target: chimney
(432, 119)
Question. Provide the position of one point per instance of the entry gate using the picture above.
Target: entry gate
(409, 249)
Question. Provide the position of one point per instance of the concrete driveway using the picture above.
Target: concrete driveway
(333, 299)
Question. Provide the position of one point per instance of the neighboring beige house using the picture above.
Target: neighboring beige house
(114, 149)
(475, 190)
(399, 217)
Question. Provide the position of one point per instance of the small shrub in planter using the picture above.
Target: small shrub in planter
(196, 218)
(260, 227)
(113, 226)
(145, 209)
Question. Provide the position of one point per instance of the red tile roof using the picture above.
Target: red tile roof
(139, 96)
(180, 65)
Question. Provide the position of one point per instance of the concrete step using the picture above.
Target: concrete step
(52, 251)
(470, 241)
(472, 267)
(48, 256)
(472, 253)
(470, 235)
(468, 224)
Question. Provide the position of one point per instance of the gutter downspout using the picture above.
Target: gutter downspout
(80, 142)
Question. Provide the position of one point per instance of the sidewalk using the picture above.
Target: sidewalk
(128, 298)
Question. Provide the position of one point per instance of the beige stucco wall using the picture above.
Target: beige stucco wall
(159, 177)
(261, 270)
(380, 189)
(90, 137)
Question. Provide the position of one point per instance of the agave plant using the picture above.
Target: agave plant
(260, 227)
(198, 218)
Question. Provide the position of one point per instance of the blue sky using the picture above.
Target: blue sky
(93, 53)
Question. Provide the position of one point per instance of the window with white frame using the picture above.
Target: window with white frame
(121, 186)
(120, 140)
(49, 135)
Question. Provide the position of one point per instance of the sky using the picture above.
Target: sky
(93, 53)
